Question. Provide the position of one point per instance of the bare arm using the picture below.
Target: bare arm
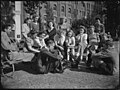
(85, 38)
(57, 44)
(38, 41)
(47, 36)
(103, 28)
(98, 38)
(32, 49)
(24, 31)
(73, 42)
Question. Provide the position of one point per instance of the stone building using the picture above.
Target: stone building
(70, 9)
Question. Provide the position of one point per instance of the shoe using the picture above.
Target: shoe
(61, 71)
(53, 72)
(58, 71)
(74, 65)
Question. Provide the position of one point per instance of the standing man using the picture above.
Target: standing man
(36, 24)
(65, 25)
(99, 27)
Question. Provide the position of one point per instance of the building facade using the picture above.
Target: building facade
(70, 9)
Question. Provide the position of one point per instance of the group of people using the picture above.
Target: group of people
(53, 49)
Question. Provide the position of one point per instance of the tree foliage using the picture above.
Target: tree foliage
(90, 20)
(31, 6)
(7, 8)
(85, 22)
(49, 13)
(113, 18)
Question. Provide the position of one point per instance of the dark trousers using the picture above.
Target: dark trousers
(89, 61)
(107, 66)
(48, 62)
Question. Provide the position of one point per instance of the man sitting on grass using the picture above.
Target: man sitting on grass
(107, 59)
(49, 59)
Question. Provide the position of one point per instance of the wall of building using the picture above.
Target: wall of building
(63, 9)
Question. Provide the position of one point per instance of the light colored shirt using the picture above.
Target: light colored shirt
(59, 40)
(6, 42)
(65, 26)
(38, 42)
(82, 38)
(94, 39)
(42, 43)
(25, 30)
(30, 42)
(70, 41)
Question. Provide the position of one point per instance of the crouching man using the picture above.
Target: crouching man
(107, 59)
(49, 60)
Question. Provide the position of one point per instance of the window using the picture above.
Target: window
(80, 12)
(88, 13)
(45, 5)
(76, 2)
(70, 21)
(83, 13)
(69, 1)
(55, 7)
(61, 20)
(92, 7)
(69, 10)
(87, 5)
(45, 17)
(55, 19)
(76, 11)
(63, 9)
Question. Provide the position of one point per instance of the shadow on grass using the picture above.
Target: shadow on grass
(27, 67)
(83, 68)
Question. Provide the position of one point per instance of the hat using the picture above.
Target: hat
(81, 26)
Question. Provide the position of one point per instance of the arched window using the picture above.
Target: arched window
(87, 5)
(69, 10)
(55, 7)
(45, 5)
(63, 9)
(80, 12)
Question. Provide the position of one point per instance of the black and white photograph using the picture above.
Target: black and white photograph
(60, 44)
